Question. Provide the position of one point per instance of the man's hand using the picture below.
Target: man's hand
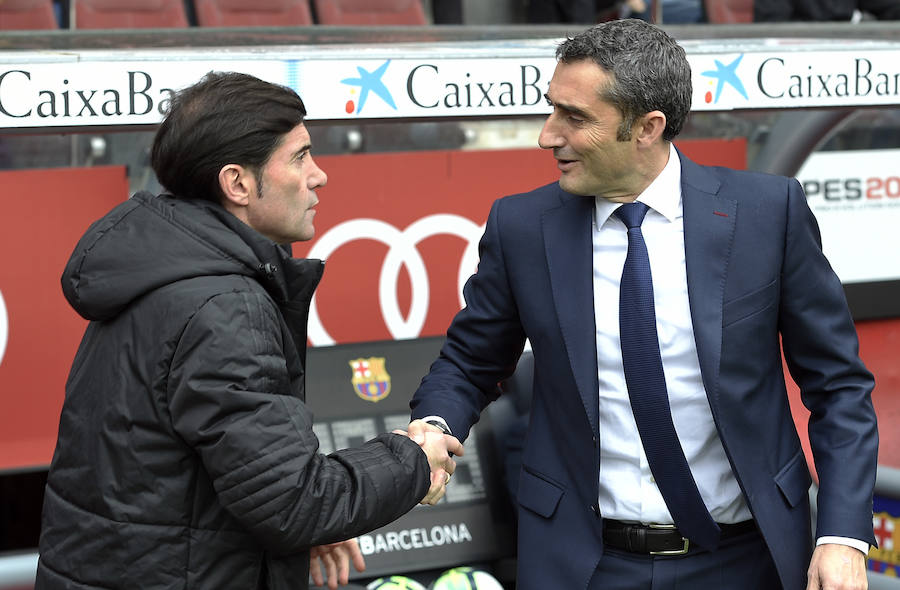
(438, 447)
(837, 567)
(336, 559)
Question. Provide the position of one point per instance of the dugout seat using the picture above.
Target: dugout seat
(129, 14)
(252, 13)
(27, 15)
(369, 12)
(729, 11)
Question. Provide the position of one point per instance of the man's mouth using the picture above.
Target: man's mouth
(565, 165)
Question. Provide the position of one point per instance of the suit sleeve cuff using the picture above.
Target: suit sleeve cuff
(855, 543)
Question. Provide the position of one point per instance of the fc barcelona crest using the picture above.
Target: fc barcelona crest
(886, 558)
(370, 379)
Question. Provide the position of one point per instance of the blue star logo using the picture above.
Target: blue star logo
(371, 81)
(727, 75)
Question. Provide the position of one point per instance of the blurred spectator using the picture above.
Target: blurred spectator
(819, 10)
(568, 11)
(673, 11)
(447, 12)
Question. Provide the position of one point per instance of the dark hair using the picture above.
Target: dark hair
(225, 118)
(649, 70)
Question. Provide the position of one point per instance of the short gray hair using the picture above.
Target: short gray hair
(649, 71)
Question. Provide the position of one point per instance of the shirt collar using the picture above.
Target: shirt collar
(663, 195)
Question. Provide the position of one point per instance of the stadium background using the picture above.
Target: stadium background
(409, 189)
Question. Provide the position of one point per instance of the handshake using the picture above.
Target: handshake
(439, 448)
(336, 558)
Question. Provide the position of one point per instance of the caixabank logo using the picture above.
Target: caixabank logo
(754, 80)
(367, 82)
(724, 76)
(399, 87)
(38, 96)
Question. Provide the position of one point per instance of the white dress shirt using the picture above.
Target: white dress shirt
(627, 488)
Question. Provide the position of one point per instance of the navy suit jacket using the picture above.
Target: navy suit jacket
(758, 285)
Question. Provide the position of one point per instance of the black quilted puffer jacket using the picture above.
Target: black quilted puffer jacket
(186, 456)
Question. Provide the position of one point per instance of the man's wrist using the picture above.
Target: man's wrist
(438, 422)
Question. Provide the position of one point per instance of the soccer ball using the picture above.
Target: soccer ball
(465, 578)
(395, 583)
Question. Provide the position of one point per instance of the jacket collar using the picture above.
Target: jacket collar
(285, 278)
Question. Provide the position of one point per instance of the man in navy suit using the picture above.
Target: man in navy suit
(735, 273)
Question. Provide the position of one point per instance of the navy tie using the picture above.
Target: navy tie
(647, 389)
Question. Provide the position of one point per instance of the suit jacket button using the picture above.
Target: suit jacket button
(595, 510)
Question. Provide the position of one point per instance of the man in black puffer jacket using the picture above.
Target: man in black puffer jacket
(186, 456)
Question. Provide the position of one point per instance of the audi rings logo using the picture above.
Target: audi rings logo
(402, 252)
(4, 327)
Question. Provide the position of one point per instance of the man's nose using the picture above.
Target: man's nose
(318, 177)
(550, 137)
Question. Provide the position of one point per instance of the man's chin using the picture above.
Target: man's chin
(572, 187)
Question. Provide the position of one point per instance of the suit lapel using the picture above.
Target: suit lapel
(709, 222)
(569, 251)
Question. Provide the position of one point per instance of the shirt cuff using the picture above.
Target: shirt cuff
(855, 543)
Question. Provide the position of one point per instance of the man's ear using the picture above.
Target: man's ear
(649, 128)
(237, 184)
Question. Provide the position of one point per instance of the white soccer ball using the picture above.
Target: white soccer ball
(395, 583)
(465, 578)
